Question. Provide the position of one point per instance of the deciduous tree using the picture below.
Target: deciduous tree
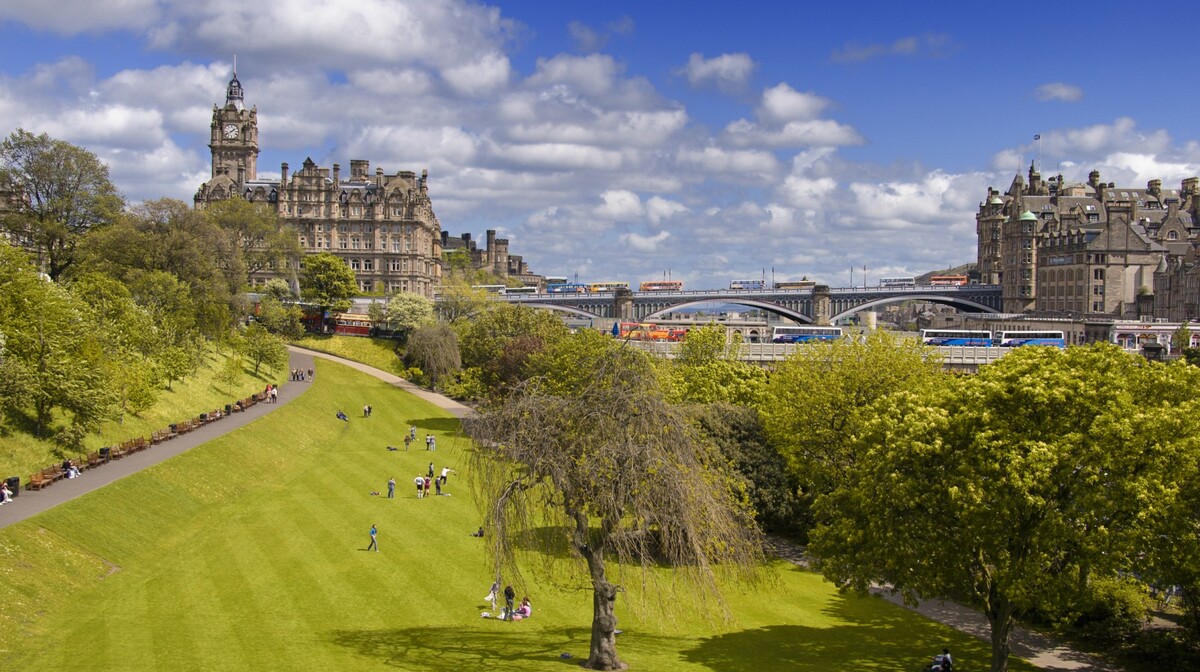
(264, 240)
(1004, 488)
(618, 476)
(328, 283)
(262, 347)
(62, 192)
(406, 312)
(433, 349)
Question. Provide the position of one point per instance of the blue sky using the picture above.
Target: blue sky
(623, 140)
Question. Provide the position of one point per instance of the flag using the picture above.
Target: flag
(1038, 136)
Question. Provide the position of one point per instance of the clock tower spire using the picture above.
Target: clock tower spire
(234, 138)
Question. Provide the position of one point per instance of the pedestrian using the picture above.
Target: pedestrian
(412, 432)
(392, 488)
(369, 409)
(509, 596)
(428, 442)
(310, 372)
(445, 471)
(374, 545)
(428, 485)
(437, 486)
(407, 440)
(431, 469)
(947, 661)
(420, 481)
(433, 443)
(493, 593)
(366, 411)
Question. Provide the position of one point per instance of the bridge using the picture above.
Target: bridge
(819, 305)
(953, 358)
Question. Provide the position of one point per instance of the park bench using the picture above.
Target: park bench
(93, 460)
(161, 435)
(118, 451)
(38, 480)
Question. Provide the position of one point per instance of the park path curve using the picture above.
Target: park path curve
(1034, 647)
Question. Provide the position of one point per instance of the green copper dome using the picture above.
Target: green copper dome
(1028, 216)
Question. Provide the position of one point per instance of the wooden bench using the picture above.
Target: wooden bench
(93, 460)
(161, 435)
(37, 481)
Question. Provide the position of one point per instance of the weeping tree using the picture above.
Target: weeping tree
(588, 458)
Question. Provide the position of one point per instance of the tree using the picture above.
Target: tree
(62, 192)
(262, 347)
(458, 301)
(1008, 488)
(231, 371)
(819, 399)
(264, 240)
(283, 319)
(328, 283)
(707, 370)
(500, 341)
(1181, 339)
(433, 348)
(406, 312)
(616, 474)
(278, 289)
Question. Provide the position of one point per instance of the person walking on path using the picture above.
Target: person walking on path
(374, 545)
(392, 488)
(412, 432)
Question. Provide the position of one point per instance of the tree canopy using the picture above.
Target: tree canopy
(618, 475)
(61, 191)
(264, 241)
(406, 312)
(327, 282)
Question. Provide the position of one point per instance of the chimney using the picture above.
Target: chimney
(379, 177)
(1154, 187)
(337, 175)
(1094, 179)
(358, 169)
(283, 173)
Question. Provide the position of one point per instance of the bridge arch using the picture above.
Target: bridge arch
(768, 306)
(572, 310)
(955, 302)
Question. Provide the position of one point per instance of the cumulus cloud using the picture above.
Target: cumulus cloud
(783, 103)
(620, 205)
(729, 73)
(644, 244)
(588, 39)
(1087, 145)
(82, 16)
(659, 208)
(1068, 93)
(928, 45)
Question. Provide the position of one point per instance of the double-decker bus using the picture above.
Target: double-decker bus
(567, 288)
(748, 284)
(947, 280)
(647, 331)
(1012, 339)
(352, 324)
(796, 284)
(960, 337)
(887, 283)
(805, 334)
(607, 286)
(661, 286)
(521, 290)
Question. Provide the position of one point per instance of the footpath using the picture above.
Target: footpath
(1038, 649)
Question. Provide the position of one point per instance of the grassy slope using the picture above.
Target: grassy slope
(21, 454)
(247, 554)
(377, 352)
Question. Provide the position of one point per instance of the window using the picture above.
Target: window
(1098, 274)
(320, 228)
(1172, 235)
(354, 265)
(394, 265)
(1097, 306)
(342, 243)
(395, 245)
(368, 264)
(355, 243)
(1098, 290)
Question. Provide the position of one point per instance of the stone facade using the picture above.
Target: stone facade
(382, 226)
(494, 258)
(1089, 249)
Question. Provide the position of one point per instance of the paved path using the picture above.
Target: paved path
(1035, 647)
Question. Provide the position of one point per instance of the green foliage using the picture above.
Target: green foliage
(327, 282)
(433, 348)
(262, 347)
(709, 343)
(1181, 339)
(820, 398)
(63, 191)
(500, 342)
(1018, 483)
(406, 312)
(459, 302)
(232, 371)
(282, 319)
(278, 289)
(466, 384)
(1113, 612)
(262, 238)
(381, 353)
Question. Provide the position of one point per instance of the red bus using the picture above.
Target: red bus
(352, 324)
(661, 286)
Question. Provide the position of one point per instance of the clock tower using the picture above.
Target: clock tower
(234, 140)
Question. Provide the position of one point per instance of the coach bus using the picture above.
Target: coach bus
(748, 284)
(1013, 339)
(567, 288)
(607, 286)
(661, 286)
(959, 337)
(805, 334)
(352, 324)
(947, 280)
(490, 289)
(888, 283)
(521, 290)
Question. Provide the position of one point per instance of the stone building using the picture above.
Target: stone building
(382, 226)
(494, 258)
(1085, 249)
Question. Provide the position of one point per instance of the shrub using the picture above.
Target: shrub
(1113, 611)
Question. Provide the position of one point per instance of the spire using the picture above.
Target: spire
(233, 94)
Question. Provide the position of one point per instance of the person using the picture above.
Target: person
(437, 486)
(428, 485)
(428, 442)
(431, 469)
(526, 609)
(420, 481)
(366, 411)
(342, 416)
(479, 533)
(445, 471)
(369, 409)
(310, 372)
(947, 661)
(407, 440)
(274, 394)
(412, 432)
(6, 494)
(70, 469)
(433, 443)
(392, 488)
(373, 545)
(492, 592)
(509, 595)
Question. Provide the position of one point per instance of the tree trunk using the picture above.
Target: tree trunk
(603, 651)
(1000, 617)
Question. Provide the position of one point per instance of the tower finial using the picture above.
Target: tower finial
(235, 65)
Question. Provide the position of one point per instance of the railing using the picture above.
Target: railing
(953, 357)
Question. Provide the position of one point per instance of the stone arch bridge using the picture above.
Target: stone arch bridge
(816, 305)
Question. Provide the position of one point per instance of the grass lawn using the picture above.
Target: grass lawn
(248, 553)
(22, 454)
(381, 353)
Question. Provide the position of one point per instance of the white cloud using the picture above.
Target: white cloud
(585, 37)
(809, 133)
(658, 209)
(480, 77)
(594, 74)
(81, 16)
(783, 103)
(1068, 93)
(734, 165)
(620, 205)
(728, 72)
(561, 156)
(644, 244)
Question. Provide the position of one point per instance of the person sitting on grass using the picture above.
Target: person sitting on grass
(342, 416)
(526, 609)
(479, 533)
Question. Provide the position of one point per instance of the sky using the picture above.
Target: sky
(631, 141)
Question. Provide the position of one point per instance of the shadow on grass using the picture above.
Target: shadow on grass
(444, 425)
(453, 650)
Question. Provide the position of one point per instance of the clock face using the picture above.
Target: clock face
(231, 131)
